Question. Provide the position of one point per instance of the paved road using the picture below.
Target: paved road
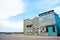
(24, 37)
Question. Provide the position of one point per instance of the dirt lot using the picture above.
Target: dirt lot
(24, 37)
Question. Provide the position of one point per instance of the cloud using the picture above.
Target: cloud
(11, 26)
(46, 4)
(57, 10)
(10, 8)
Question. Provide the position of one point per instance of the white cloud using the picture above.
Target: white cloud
(11, 26)
(10, 8)
(46, 4)
(57, 10)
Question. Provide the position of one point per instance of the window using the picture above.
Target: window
(29, 28)
(53, 28)
(46, 29)
(43, 29)
(50, 16)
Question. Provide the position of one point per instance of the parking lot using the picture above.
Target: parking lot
(26, 37)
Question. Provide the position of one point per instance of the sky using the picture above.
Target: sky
(13, 12)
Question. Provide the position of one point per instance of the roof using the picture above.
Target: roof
(46, 12)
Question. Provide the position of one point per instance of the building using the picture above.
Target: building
(48, 23)
(35, 24)
(28, 27)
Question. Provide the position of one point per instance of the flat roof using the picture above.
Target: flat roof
(46, 12)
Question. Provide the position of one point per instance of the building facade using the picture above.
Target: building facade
(36, 25)
(47, 23)
(28, 27)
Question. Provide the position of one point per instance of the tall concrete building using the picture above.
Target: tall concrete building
(48, 23)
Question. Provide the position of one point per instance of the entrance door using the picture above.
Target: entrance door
(50, 30)
(38, 31)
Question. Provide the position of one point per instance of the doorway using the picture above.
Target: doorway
(50, 30)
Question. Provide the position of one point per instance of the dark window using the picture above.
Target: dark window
(53, 28)
(46, 29)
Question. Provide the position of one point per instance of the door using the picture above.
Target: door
(50, 30)
(38, 31)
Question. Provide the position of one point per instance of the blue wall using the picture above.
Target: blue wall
(57, 24)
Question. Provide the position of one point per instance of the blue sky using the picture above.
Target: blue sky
(12, 12)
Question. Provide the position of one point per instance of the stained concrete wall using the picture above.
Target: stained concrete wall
(47, 19)
(36, 24)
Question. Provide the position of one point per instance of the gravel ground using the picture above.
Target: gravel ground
(26, 37)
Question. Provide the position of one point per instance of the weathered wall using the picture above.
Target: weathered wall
(47, 19)
(26, 22)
